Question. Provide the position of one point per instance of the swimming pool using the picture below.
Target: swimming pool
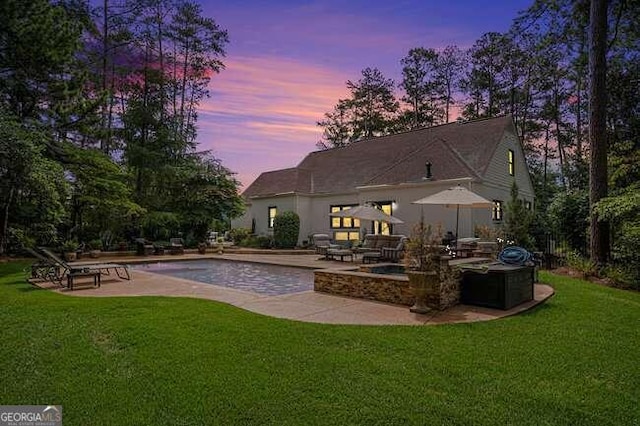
(270, 280)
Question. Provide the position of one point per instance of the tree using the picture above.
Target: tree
(483, 79)
(518, 220)
(370, 111)
(418, 82)
(199, 43)
(38, 41)
(449, 67)
(337, 126)
(32, 187)
(599, 229)
(286, 227)
(203, 191)
(100, 197)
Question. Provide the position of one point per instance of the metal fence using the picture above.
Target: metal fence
(554, 250)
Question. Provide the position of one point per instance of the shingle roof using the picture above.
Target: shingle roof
(455, 150)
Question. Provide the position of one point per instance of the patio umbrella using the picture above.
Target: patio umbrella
(456, 196)
(366, 213)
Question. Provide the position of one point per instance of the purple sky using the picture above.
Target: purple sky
(288, 61)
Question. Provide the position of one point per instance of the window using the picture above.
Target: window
(343, 222)
(496, 212)
(511, 160)
(273, 211)
(346, 235)
(527, 205)
(383, 227)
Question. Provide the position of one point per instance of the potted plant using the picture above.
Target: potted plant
(69, 248)
(94, 248)
(220, 245)
(422, 264)
(202, 248)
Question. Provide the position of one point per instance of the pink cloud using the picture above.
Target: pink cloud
(263, 111)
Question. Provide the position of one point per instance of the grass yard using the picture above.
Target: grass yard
(155, 360)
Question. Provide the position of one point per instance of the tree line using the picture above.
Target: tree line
(98, 122)
(567, 72)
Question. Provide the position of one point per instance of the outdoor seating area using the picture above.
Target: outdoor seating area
(374, 248)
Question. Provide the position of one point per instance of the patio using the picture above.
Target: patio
(307, 306)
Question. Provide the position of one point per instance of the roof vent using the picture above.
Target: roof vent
(427, 166)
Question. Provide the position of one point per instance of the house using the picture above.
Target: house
(390, 172)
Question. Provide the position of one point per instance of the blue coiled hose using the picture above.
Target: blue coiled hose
(516, 256)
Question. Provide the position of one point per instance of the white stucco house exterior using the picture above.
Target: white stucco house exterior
(391, 172)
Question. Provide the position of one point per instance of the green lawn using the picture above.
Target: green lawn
(154, 360)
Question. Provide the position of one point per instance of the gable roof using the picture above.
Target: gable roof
(455, 150)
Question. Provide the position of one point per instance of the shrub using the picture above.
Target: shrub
(286, 228)
(581, 264)
(423, 249)
(160, 225)
(95, 244)
(238, 235)
(69, 246)
(518, 220)
(264, 241)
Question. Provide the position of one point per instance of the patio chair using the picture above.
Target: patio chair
(394, 254)
(122, 271)
(322, 243)
(144, 247)
(176, 246)
(45, 269)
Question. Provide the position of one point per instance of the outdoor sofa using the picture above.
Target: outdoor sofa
(378, 242)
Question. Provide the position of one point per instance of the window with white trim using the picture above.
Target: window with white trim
(497, 211)
(273, 211)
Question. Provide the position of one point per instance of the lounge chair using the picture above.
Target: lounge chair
(322, 243)
(103, 268)
(176, 246)
(45, 269)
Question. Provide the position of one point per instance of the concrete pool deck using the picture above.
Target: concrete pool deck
(308, 306)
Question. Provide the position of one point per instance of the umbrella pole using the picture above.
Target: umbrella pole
(457, 221)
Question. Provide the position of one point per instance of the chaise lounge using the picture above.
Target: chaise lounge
(122, 271)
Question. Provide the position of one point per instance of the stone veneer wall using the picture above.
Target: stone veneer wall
(389, 288)
(448, 293)
(383, 288)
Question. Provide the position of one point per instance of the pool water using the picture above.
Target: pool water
(271, 280)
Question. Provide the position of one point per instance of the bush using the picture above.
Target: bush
(518, 220)
(160, 225)
(264, 241)
(238, 235)
(70, 246)
(581, 264)
(95, 244)
(286, 228)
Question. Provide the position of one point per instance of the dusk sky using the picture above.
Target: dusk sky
(288, 61)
